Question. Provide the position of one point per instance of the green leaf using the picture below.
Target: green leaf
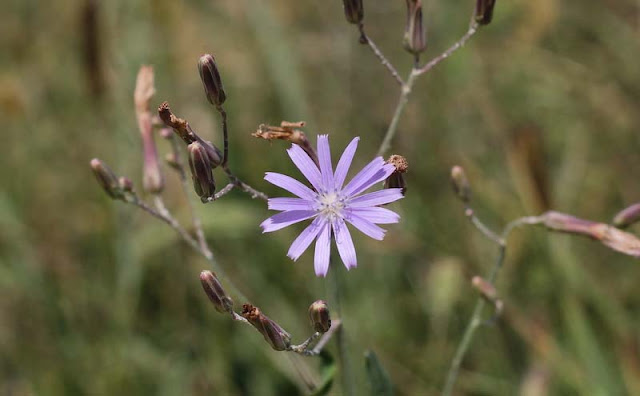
(378, 378)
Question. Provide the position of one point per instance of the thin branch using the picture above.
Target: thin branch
(473, 28)
(364, 39)
(476, 317)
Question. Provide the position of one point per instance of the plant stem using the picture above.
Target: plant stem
(364, 39)
(341, 337)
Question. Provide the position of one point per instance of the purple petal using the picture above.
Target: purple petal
(363, 176)
(284, 219)
(375, 198)
(377, 215)
(290, 204)
(345, 163)
(324, 157)
(306, 165)
(323, 250)
(290, 184)
(379, 176)
(366, 227)
(305, 238)
(345, 244)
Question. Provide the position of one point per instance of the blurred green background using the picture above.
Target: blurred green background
(540, 108)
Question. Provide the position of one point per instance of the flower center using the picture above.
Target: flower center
(331, 204)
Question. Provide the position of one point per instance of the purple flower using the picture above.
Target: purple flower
(331, 204)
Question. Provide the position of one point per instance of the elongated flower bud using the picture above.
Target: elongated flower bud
(627, 216)
(211, 285)
(319, 315)
(396, 179)
(106, 178)
(415, 39)
(275, 335)
(460, 183)
(211, 80)
(200, 167)
(484, 11)
(353, 10)
(152, 180)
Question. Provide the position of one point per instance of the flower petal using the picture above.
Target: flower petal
(366, 227)
(306, 165)
(323, 250)
(377, 215)
(284, 219)
(345, 244)
(302, 242)
(379, 176)
(375, 198)
(290, 184)
(345, 163)
(290, 204)
(363, 176)
(324, 157)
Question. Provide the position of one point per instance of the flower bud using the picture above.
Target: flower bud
(353, 10)
(200, 167)
(106, 178)
(211, 285)
(396, 179)
(319, 315)
(214, 153)
(211, 80)
(484, 11)
(415, 39)
(460, 183)
(275, 335)
(627, 216)
(125, 184)
(488, 292)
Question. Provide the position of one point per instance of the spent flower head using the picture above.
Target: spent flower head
(331, 204)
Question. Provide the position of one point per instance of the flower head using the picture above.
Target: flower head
(331, 204)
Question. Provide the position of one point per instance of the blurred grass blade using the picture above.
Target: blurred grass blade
(378, 378)
(328, 372)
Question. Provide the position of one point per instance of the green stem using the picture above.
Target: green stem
(341, 337)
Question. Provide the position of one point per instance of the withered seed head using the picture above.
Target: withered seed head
(211, 285)
(353, 10)
(200, 166)
(396, 179)
(211, 80)
(415, 39)
(484, 11)
(107, 179)
(460, 183)
(319, 315)
(275, 335)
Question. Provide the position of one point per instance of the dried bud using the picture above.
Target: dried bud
(106, 178)
(125, 184)
(396, 179)
(415, 39)
(275, 335)
(287, 132)
(484, 11)
(200, 166)
(211, 80)
(319, 315)
(353, 10)
(460, 183)
(215, 292)
(627, 216)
